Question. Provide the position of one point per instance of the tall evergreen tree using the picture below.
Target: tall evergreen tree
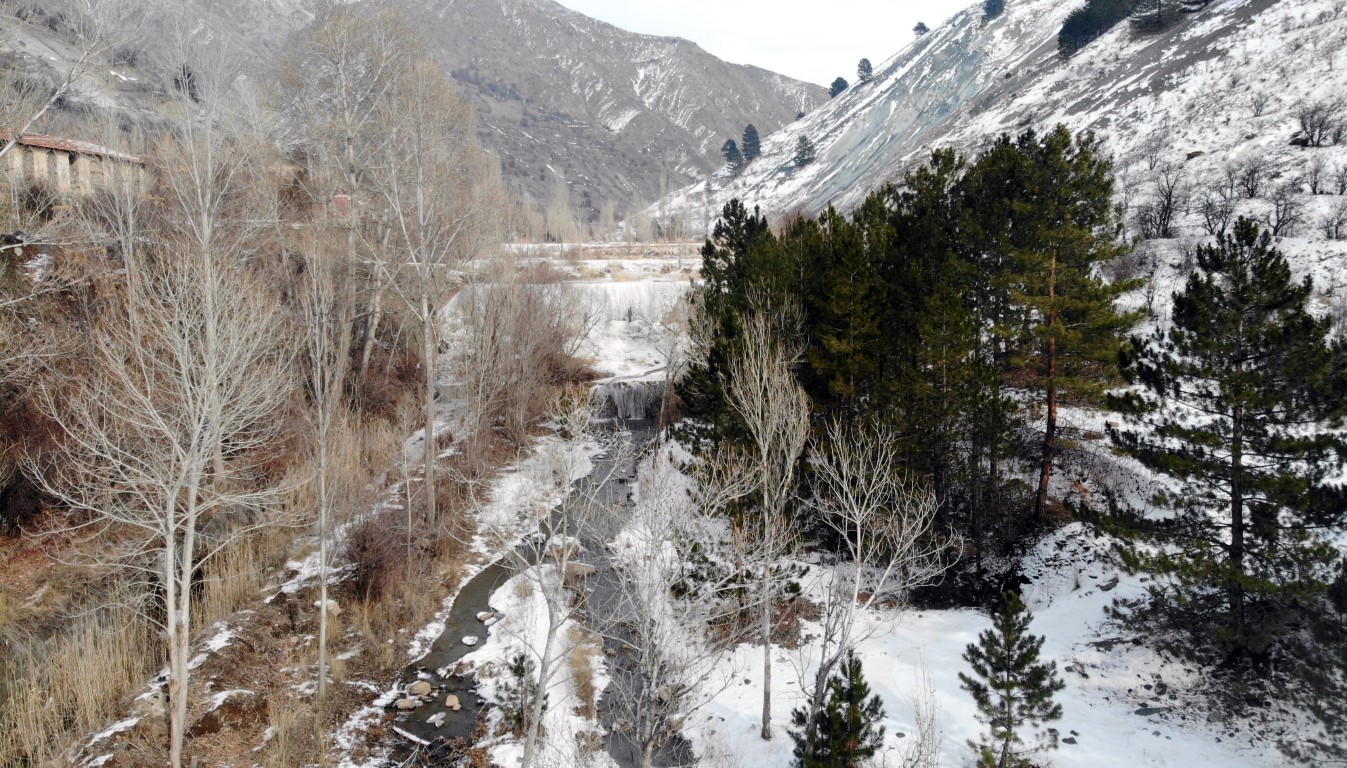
(1012, 688)
(920, 29)
(805, 152)
(1062, 329)
(993, 8)
(733, 157)
(839, 85)
(1240, 402)
(846, 732)
(864, 71)
(751, 145)
(739, 260)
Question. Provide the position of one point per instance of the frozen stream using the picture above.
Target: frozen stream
(436, 744)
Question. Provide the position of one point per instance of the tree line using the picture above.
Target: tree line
(966, 307)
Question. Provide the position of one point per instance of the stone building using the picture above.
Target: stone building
(67, 166)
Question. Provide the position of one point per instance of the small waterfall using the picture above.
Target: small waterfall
(627, 400)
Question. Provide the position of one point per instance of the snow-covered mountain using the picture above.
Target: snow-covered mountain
(621, 116)
(1219, 87)
(612, 110)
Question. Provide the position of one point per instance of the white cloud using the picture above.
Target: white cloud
(814, 41)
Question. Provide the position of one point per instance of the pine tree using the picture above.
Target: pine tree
(805, 152)
(839, 85)
(730, 151)
(751, 145)
(1238, 403)
(739, 261)
(1012, 689)
(1061, 327)
(864, 71)
(846, 732)
(993, 8)
(920, 29)
(800, 115)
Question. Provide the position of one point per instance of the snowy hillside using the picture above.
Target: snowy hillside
(1220, 86)
(621, 116)
(612, 110)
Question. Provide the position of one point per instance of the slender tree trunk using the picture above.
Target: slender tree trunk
(1050, 432)
(372, 327)
(323, 506)
(180, 629)
(429, 345)
(766, 653)
(1234, 582)
(176, 654)
(536, 705)
(1049, 438)
(648, 755)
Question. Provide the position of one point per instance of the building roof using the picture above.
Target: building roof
(70, 145)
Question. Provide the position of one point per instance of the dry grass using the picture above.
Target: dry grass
(586, 648)
(58, 690)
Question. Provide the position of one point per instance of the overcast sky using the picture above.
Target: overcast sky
(814, 40)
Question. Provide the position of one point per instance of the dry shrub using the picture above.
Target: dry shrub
(585, 648)
(285, 722)
(377, 553)
(58, 690)
(391, 383)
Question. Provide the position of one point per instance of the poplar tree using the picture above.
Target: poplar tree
(1012, 688)
(1237, 403)
(846, 733)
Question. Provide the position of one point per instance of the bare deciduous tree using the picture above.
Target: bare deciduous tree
(517, 343)
(1334, 223)
(1288, 209)
(1320, 121)
(1316, 175)
(549, 560)
(325, 304)
(336, 83)
(143, 434)
(773, 407)
(674, 589)
(885, 524)
(1169, 196)
(1250, 175)
(1216, 205)
(441, 195)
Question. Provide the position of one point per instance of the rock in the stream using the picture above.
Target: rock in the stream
(470, 640)
(451, 702)
(437, 719)
(408, 703)
(491, 621)
(576, 571)
(420, 688)
(485, 615)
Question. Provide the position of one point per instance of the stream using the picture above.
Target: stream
(628, 405)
